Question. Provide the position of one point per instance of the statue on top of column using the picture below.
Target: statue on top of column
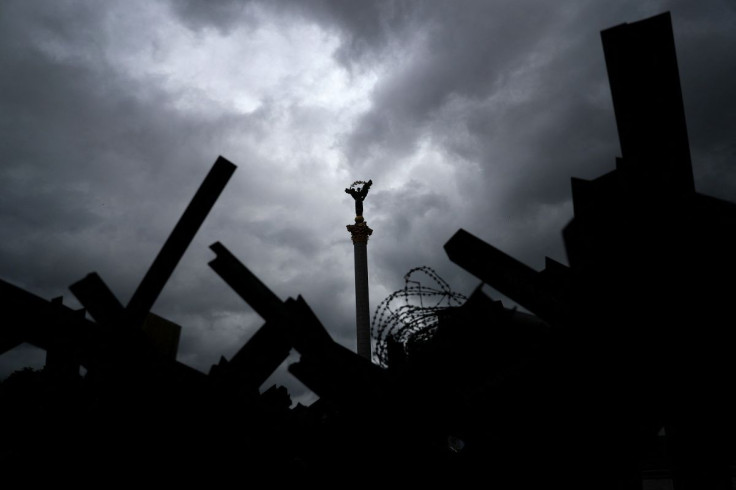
(359, 189)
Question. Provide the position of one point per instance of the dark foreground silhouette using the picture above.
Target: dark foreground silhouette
(631, 341)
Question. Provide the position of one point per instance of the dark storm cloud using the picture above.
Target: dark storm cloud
(220, 14)
(457, 55)
(365, 28)
(532, 132)
(471, 49)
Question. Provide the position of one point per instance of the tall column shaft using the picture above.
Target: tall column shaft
(360, 232)
(362, 312)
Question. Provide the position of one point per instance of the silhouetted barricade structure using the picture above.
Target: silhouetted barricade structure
(48, 325)
(143, 397)
(347, 383)
(137, 349)
(646, 300)
(289, 324)
(180, 238)
(543, 293)
(268, 347)
(631, 338)
(129, 353)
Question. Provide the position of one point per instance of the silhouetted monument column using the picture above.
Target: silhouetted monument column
(360, 232)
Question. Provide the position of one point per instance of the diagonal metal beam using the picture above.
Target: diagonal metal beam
(167, 259)
(245, 283)
(509, 276)
(97, 298)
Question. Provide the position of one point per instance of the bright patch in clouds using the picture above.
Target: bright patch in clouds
(212, 70)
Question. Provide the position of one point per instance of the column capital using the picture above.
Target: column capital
(360, 231)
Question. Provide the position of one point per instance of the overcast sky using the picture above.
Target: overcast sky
(471, 114)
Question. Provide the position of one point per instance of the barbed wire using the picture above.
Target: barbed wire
(416, 318)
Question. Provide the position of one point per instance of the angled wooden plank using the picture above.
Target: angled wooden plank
(105, 308)
(647, 100)
(270, 345)
(97, 298)
(259, 357)
(167, 259)
(245, 283)
(289, 324)
(48, 325)
(509, 276)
